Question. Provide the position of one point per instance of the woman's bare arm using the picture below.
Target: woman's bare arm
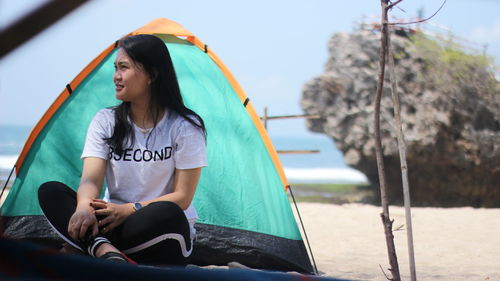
(90, 188)
(185, 182)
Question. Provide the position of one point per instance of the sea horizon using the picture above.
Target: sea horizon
(327, 166)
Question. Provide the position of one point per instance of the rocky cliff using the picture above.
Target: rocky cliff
(450, 104)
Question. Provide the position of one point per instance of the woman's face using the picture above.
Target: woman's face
(131, 81)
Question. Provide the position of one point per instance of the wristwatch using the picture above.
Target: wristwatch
(137, 206)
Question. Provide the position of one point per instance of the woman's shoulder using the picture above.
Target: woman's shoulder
(105, 114)
(104, 119)
(182, 122)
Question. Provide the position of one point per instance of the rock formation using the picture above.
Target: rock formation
(450, 104)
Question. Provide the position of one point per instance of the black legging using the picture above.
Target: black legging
(158, 233)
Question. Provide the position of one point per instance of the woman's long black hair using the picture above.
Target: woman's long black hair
(152, 54)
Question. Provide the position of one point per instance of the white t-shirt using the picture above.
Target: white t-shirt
(146, 170)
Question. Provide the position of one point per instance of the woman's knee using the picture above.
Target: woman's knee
(163, 216)
(165, 207)
(50, 189)
(53, 193)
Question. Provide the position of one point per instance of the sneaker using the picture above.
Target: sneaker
(117, 258)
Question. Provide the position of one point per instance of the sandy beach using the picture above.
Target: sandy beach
(450, 244)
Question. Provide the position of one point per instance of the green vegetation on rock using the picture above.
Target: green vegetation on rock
(448, 65)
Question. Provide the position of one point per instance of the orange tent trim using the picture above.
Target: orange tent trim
(158, 26)
(56, 104)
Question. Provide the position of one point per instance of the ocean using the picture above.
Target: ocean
(325, 167)
(12, 139)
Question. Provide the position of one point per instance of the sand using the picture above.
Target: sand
(450, 244)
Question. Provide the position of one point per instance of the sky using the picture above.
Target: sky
(272, 47)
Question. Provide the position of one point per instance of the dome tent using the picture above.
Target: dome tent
(241, 200)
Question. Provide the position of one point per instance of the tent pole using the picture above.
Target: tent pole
(7, 181)
(316, 272)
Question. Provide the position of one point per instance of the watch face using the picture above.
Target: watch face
(137, 206)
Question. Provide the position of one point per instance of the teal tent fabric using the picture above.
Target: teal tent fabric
(240, 193)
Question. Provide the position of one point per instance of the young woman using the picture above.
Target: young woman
(151, 149)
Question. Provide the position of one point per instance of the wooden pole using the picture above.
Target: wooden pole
(264, 118)
(402, 158)
(386, 221)
(305, 151)
(308, 116)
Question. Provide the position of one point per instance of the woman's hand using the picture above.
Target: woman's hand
(114, 214)
(80, 222)
(84, 219)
